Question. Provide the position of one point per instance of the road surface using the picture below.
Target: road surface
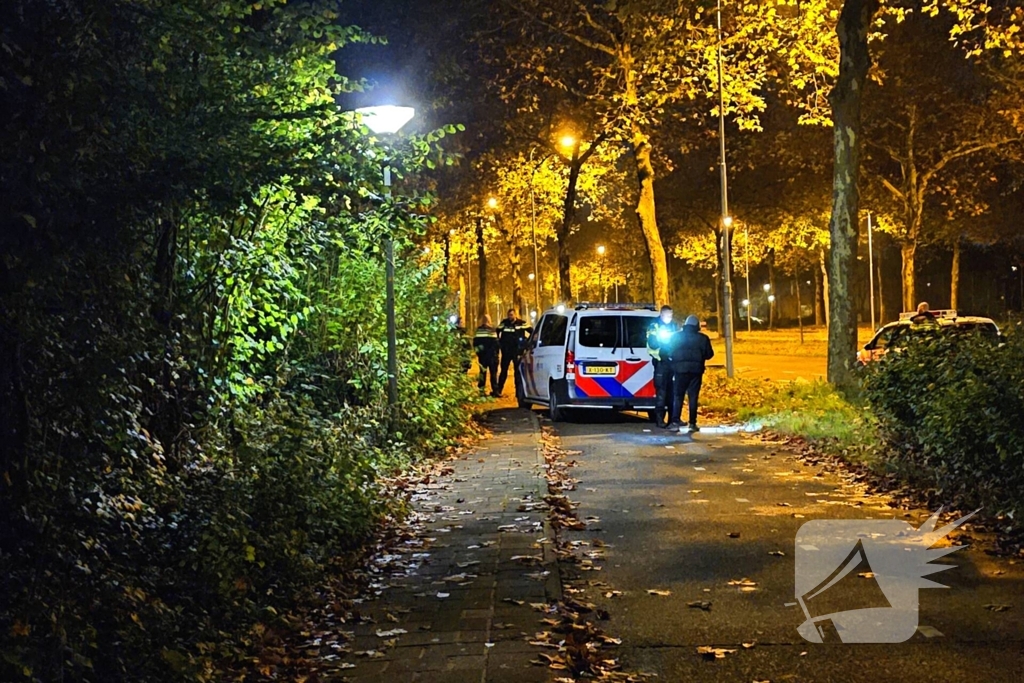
(689, 515)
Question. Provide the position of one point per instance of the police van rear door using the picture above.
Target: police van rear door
(608, 363)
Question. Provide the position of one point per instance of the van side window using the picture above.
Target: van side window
(599, 331)
(552, 333)
(636, 330)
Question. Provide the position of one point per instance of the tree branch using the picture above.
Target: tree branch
(586, 42)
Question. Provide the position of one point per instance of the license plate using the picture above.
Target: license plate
(599, 370)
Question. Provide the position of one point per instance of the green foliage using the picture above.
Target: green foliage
(192, 356)
(950, 409)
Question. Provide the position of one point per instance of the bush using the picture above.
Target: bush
(950, 409)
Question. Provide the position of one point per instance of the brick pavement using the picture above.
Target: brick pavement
(454, 604)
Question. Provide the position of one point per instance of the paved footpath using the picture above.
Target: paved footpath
(454, 600)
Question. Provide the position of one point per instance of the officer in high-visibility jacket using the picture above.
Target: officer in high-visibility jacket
(512, 335)
(485, 342)
(660, 331)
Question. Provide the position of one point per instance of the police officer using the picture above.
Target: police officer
(688, 351)
(659, 332)
(512, 335)
(485, 342)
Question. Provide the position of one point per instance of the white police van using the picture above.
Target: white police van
(590, 356)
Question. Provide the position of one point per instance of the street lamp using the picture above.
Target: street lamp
(726, 219)
(388, 120)
(600, 278)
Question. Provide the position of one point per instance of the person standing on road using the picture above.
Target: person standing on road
(512, 335)
(689, 350)
(659, 332)
(485, 342)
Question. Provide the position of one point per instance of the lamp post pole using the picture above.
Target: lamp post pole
(389, 305)
(726, 220)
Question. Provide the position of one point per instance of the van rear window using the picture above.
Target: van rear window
(636, 330)
(599, 331)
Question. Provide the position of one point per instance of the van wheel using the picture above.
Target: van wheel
(555, 410)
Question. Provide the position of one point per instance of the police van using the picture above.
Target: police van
(589, 356)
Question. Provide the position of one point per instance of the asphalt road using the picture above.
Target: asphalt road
(666, 505)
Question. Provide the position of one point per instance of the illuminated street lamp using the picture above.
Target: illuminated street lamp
(388, 120)
(600, 279)
(767, 288)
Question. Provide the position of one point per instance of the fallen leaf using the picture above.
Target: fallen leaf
(658, 591)
(390, 633)
(733, 534)
(866, 575)
(709, 652)
(776, 553)
(700, 604)
(998, 608)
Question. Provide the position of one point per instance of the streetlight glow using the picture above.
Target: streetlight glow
(567, 142)
(492, 203)
(771, 298)
(385, 119)
(531, 276)
(767, 288)
(727, 221)
(600, 250)
(746, 302)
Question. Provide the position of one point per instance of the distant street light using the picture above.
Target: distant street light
(767, 288)
(492, 203)
(532, 277)
(746, 303)
(388, 120)
(567, 142)
(600, 279)
(771, 298)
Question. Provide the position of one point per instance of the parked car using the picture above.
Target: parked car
(590, 356)
(895, 335)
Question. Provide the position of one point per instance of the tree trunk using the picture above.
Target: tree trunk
(881, 293)
(771, 286)
(647, 218)
(481, 308)
(565, 227)
(517, 273)
(799, 308)
(824, 286)
(819, 298)
(954, 278)
(908, 250)
(716, 279)
(854, 61)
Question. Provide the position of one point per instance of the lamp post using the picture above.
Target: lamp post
(600, 277)
(387, 120)
(726, 219)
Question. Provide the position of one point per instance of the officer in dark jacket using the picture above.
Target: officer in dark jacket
(658, 334)
(688, 351)
(512, 336)
(485, 342)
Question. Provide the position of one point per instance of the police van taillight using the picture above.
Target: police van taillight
(570, 362)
